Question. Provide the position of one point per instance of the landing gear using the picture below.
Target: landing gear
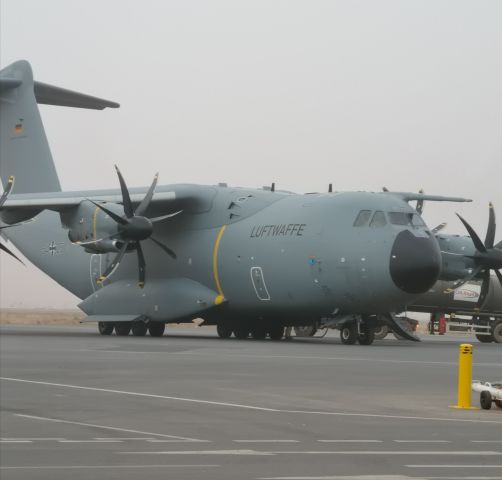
(348, 333)
(366, 334)
(139, 329)
(381, 332)
(485, 338)
(259, 332)
(276, 332)
(223, 330)
(156, 329)
(122, 329)
(105, 328)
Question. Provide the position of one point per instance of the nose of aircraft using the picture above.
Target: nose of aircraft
(415, 262)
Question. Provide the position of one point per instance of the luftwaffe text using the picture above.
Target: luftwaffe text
(283, 230)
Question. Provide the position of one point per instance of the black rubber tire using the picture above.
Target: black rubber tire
(241, 332)
(276, 332)
(367, 335)
(381, 332)
(122, 329)
(258, 332)
(156, 329)
(224, 331)
(485, 338)
(105, 328)
(485, 399)
(348, 334)
(497, 331)
(139, 329)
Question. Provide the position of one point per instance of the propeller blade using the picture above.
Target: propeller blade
(461, 282)
(499, 245)
(485, 286)
(499, 276)
(490, 233)
(5, 249)
(159, 219)
(116, 261)
(439, 227)
(145, 203)
(474, 236)
(141, 265)
(7, 190)
(117, 218)
(166, 249)
(420, 203)
(125, 195)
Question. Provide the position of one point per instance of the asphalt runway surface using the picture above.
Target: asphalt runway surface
(74, 404)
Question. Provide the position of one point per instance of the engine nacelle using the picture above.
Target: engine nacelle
(455, 252)
(90, 226)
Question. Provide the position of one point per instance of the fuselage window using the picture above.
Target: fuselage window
(402, 218)
(362, 218)
(378, 220)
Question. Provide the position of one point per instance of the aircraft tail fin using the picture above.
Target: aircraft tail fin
(24, 149)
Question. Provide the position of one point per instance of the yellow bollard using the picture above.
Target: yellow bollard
(464, 377)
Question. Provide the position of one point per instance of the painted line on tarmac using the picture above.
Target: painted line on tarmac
(238, 405)
(98, 467)
(202, 452)
(316, 452)
(299, 357)
(346, 477)
(422, 441)
(16, 441)
(266, 441)
(350, 441)
(105, 427)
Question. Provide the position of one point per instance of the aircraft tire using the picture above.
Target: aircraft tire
(259, 332)
(485, 399)
(276, 332)
(122, 329)
(224, 331)
(241, 332)
(139, 329)
(381, 332)
(105, 328)
(156, 329)
(497, 331)
(367, 336)
(348, 334)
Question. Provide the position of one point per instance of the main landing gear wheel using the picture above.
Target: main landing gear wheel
(139, 329)
(105, 328)
(122, 329)
(156, 329)
(381, 332)
(224, 331)
(348, 333)
(366, 335)
(276, 332)
(259, 332)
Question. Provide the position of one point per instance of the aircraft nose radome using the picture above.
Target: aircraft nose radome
(415, 262)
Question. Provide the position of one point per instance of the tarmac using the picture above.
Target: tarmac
(74, 404)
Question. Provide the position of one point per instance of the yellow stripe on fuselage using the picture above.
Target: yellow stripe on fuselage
(220, 298)
(94, 221)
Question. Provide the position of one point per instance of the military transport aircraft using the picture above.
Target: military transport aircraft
(250, 261)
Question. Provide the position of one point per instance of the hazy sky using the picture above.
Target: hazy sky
(406, 94)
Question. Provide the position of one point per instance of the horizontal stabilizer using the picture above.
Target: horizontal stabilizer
(51, 95)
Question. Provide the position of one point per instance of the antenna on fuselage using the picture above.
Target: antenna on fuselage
(330, 188)
(272, 188)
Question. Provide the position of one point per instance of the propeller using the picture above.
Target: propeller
(487, 256)
(133, 228)
(3, 198)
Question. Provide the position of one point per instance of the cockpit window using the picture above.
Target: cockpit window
(406, 218)
(362, 218)
(378, 220)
